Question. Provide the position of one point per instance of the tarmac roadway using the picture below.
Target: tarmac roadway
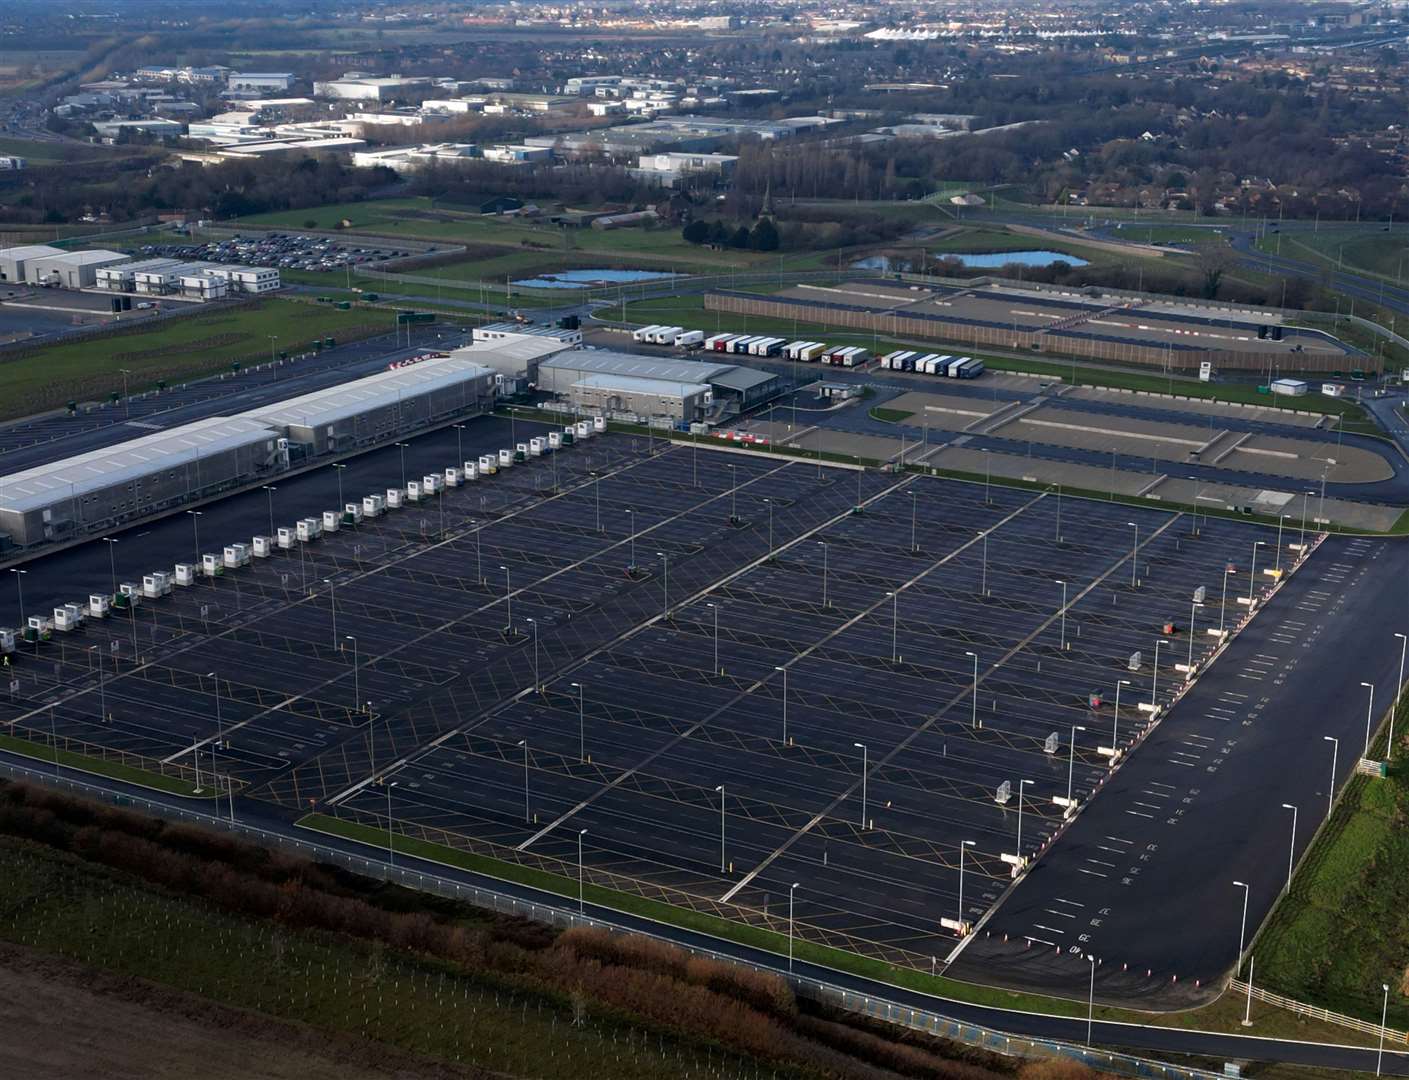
(1145, 878)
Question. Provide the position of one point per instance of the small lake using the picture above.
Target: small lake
(987, 260)
(581, 279)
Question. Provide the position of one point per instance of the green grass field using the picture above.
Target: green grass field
(172, 350)
(1366, 248)
(1343, 929)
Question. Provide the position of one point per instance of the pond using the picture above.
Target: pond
(581, 279)
(990, 260)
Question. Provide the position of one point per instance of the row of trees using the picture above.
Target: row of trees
(762, 237)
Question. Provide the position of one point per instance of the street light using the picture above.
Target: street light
(823, 545)
(1223, 607)
(112, 561)
(581, 721)
(665, 582)
(390, 850)
(19, 588)
(785, 703)
(508, 604)
(983, 582)
(1194, 606)
(196, 531)
(356, 678)
(894, 623)
(962, 845)
(1252, 572)
(1369, 714)
(864, 755)
(340, 467)
(333, 607)
(715, 608)
(1154, 672)
(580, 834)
(269, 489)
(1071, 759)
(1115, 721)
(1335, 752)
(1384, 1015)
(1134, 552)
(537, 683)
(1291, 855)
(1063, 584)
(791, 889)
(914, 547)
(720, 789)
(973, 703)
(1243, 931)
(528, 818)
(631, 563)
(402, 447)
(1022, 789)
(1091, 999)
(1399, 689)
(1281, 520)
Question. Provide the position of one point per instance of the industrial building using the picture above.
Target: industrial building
(368, 88)
(195, 280)
(261, 81)
(732, 388)
(627, 395)
(515, 351)
(14, 260)
(380, 407)
(72, 269)
(105, 488)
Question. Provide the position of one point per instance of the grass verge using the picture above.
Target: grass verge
(889, 416)
(113, 770)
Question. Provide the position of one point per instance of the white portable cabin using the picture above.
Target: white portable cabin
(395, 498)
(236, 556)
(690, 339)
(285, 537)
(306, 532)
(583, 428)
(132, 591)
(599, 424)
(555, 440)
(506, 458)
(413, 491)
(432, 484)
(470, 471)
(352, 514)
(645, 333)
(488, 465)
(454, 476)
(186, 573)
(261, 547)
(332, 521)
(156, 584)
(211, 565)
(373, 506)
(536, 446)
(68, 618)
(7, 640)
(40, 626)
(99, 606)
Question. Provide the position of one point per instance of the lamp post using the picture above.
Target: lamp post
(864, 757)
(665, 583)
(1154, 673)
(720, 789)
(914, 547)
(269, 490)
(580, 905)
(1243, 930)
(791, 889)
(581, 721)
(339, 467)
(733, 495)
(973, 703)
(785, 703)
(1399, 689)
(631, 562)
(1063, 584)
(459, 442)
(1301, 543)
(1223, 607)
(1281, 520)
(823, 545)
(112, 561)
(19, 588)
(770, 528)
(537, 683)
(962, 845)
(333, 607)
(1022, 791)
(987, 477)
(402, 447)
(196, 532)
(1115, 721)
(1252, 571)
(1091, 999)
(894, 623)
(715, 609)
(1291, 854)
(508, 605)
(1134, 552)
(1071, 759)
(1335, 752)
(983, 581)
(1384, 1015)
(1058, 536)
(528, 818)
(356, 677)
(1194, 606)
(390, 849)
(1369, 714)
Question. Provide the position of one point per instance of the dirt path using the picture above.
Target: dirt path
(64, 1020)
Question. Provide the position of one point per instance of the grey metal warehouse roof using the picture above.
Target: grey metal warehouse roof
(743, 379)
(646, 367)
(635, 384)
(44, 485)
(375, 391)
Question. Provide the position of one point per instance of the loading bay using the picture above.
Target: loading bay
(712, 676)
